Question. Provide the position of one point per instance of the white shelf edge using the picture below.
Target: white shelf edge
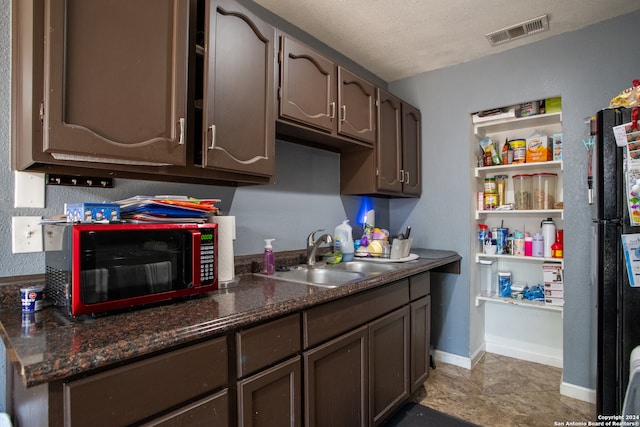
(532, 259)
(481, 129)
(480, 171)
(552, 212)
(526, 303)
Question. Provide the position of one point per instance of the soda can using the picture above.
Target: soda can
(32, 298)
(501, 240)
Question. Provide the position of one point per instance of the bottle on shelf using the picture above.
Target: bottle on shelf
(556, 248)
(549, 235)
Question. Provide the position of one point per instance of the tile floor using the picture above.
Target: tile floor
(502, 391)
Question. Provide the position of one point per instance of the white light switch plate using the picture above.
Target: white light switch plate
(29, 190)
(26, 234)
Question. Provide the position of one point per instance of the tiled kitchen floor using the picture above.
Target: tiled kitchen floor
(501, 391)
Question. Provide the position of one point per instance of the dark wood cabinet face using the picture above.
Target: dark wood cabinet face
(388, 364)
(116, 79)
(420, 341)
(239, 91)
(307, 85)
(336, 381)
(411, 161)
(389, 147)
(272, 397)
(357, 111)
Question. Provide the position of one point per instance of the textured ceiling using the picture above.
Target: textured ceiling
(395, 39)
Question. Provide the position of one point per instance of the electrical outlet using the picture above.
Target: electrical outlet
(29, 190)
(26, 234)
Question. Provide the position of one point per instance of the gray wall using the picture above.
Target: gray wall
(587, 68)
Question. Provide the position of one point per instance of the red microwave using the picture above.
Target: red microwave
(94, 268)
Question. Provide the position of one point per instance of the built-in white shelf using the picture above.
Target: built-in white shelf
(522, 302)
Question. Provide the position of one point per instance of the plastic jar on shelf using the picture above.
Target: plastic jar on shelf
(488, 278)
(501, 189)
(544, 190)
(522, 191)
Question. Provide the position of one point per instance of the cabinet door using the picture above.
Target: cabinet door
(239, 90)
(388, 364)
(272, 397)
(357, 101)
(336, 381)
(116, 80)
(420, 341)
(411, 141)
(389, 147)
(307, 85)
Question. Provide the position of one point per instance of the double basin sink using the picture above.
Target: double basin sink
(332, 276)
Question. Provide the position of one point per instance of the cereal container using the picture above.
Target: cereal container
(544, 190)
(522, 191)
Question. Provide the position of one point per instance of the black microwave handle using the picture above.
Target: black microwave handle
(196, 252)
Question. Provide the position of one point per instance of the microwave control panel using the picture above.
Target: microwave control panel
(207, 256)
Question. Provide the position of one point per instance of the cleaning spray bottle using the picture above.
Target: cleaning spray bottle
(344, 234)
(268, 258)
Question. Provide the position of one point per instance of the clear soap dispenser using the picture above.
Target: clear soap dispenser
(268, 259)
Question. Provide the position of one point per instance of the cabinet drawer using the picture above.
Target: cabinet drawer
(131, 393)
(266, 344)
(212, 410)
(419, 285)
(334, 318)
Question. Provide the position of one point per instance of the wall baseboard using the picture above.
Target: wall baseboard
(578, 392)
(452, 359)
(528, 355)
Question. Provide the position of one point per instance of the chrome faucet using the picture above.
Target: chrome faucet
(312, 245)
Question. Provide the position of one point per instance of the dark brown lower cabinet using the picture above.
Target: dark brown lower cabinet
(336, 381)
(212, 410)
(139, 391)
(348, 362)
(420, 295)
(388, 364)
(272, 397)
(420, 341)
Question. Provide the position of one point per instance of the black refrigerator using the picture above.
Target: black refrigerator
(618, 304)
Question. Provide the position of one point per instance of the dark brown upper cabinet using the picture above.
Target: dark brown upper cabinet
(115, 76)
(238, 104)
(393, 168)
(117, 89)
(411, 142)
(322, 102)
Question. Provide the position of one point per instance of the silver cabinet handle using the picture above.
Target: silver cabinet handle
(212, 129)
(407, 175)
(181, 124)
(332, 110)
(401, 175)
(343, 113)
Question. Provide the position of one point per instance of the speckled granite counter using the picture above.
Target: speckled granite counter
(49, 346)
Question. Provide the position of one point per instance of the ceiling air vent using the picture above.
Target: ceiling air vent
(527, 28)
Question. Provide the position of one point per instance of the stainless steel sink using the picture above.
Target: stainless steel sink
(332, 276)
(318, 276)
(365, 267)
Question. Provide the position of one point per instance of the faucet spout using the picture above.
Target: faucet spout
(312, 245)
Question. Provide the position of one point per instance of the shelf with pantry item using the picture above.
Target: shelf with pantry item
(520, 302)
(480, 214)
(532, 259)
(482, 171)
(511, 124)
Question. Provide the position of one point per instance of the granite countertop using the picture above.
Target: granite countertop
(48, 345)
